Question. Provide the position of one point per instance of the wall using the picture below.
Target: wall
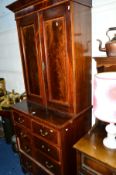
(10, 62)
(103, 17)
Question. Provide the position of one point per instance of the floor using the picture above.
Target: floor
(9, 160)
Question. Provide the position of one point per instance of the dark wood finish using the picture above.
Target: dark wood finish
(48, 143)
(105, 64)
(21, 4)
(46, 148)
(55, 45)
(57, 57)
(92, 156)
(31, 57)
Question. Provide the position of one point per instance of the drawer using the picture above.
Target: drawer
(52, 166)
(94, 167)
(46, 148)
(45, 132)
(26, 163)
(24, 138)
(21, 119)
(38, 170)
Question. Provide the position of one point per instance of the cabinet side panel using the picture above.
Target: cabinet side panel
(81, 18)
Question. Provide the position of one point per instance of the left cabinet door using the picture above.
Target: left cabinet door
(31, 53)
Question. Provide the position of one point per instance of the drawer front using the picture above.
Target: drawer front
(22, 119)
(45, 132)
(46, 148)
(26, 163)
(24, 138)
(46, 162)
(94, 167)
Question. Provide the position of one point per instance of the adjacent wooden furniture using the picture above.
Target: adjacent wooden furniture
(7, 124)
(105, 64)
(55, 45)
(93, 157)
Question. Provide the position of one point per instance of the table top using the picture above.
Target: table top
(92, 145)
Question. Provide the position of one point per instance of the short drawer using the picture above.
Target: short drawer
(21, 119)
(46, 148)
(46, 162)
(24, 139)
(93, 166)
(45, 132)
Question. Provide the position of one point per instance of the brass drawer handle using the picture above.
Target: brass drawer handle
(49, 166)
(43, 147)
(27, 150)
(20, 120)
(23, 135)
(48, 149)
(43, 133)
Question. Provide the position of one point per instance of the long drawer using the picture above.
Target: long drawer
(45, 132)
(51, 165)
(46, 148)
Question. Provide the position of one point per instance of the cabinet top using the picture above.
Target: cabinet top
(92, 145)
(35, 111)
(21, 4)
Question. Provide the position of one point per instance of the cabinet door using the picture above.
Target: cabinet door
(57, 59)
(30, 45)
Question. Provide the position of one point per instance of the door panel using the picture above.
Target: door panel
(58, 61)
(30, 53)
(31, 57)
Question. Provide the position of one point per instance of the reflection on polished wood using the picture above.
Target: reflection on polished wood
(93, 156)
(105, 64)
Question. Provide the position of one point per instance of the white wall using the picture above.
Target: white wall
(10, 61)
(103, 17)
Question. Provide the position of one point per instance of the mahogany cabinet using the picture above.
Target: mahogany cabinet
(55, 46)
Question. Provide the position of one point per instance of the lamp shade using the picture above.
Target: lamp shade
(104, 96)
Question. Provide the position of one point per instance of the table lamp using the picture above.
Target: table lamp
(104, 104)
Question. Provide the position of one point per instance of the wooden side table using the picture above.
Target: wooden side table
(7, 124)
(105, 64)
(93, 158)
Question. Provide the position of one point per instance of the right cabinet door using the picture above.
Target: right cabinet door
(57, 58)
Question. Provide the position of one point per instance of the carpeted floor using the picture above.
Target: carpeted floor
(9, 160)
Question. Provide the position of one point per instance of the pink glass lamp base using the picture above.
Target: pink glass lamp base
(110, 140)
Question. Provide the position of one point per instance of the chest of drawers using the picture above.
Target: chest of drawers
(45, 139)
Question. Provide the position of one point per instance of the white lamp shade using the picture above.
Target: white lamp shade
(104, 96)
